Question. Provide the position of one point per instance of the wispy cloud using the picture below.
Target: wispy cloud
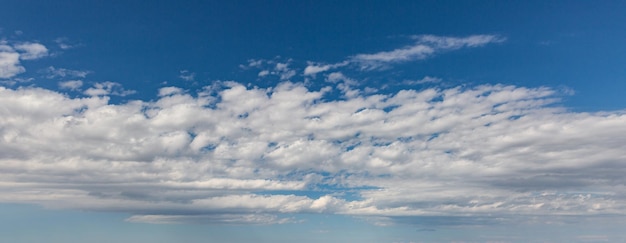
(275, 67)
(425, 46)
(314, 68)
(187, 75)
(63, 43)
(52, 72)
(424, 80)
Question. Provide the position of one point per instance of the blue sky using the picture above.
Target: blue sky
(315, 121)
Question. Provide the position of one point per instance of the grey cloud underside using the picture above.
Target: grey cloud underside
(248, 155)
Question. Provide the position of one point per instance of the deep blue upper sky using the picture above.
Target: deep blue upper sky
(575, 44)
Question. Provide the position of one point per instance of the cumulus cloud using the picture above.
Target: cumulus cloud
(242, 155)
(31, 51)
(9, 62)
(10, 57)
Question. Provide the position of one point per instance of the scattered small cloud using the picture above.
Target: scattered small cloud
(108, 88)
(52, 72)
(264, 73)
(71, 84)
(283, 71)
(187, 75)
(64, 43)
(11, 55)
(14, 81)
(424, 80)
(31, 51)
(271, 67)
(9, 61)
(313, 68)
(166, 91)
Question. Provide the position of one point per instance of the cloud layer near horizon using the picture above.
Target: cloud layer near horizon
(237, 155)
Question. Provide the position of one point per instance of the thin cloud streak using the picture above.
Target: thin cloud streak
(426, 46)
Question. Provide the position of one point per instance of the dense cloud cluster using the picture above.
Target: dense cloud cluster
(237, 154)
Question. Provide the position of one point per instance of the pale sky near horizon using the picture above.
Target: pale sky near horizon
(312, 121)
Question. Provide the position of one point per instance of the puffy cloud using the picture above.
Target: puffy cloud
(10, 57)
(249, 155)
(31, 51)
(9, 62)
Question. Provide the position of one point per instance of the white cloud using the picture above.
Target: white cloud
(31, 51)
(221, 219)
(452, 43)
(272, 67)
(424, 80)
(166, 91)
(283, 71)
(10, 57)
(13, 81)
(418, 51)
(263, 73)
(425, 46)
(52, 72)
(108, 88)
(63, 43)
(313, 68)
(71, 84)
(490, 150)
(9, 62)
(187, 76)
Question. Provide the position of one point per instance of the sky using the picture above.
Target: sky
(312, 121)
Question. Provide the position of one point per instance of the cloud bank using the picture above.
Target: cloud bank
(237, 155)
